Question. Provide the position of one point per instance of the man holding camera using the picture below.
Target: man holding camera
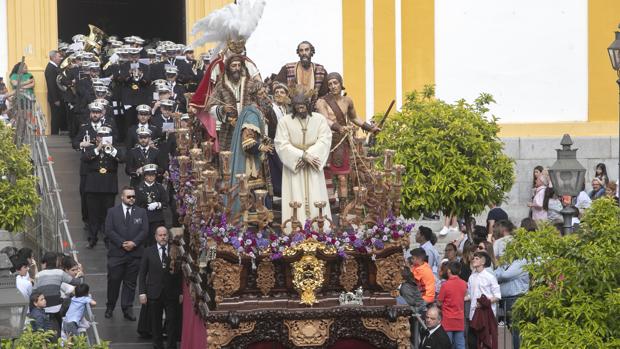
(101, 182)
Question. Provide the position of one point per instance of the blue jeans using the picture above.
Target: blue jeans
(457, 338)
(516, 336)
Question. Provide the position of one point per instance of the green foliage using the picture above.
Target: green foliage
(574, 301)
(451, 152)
(18, 185)
(45, 340)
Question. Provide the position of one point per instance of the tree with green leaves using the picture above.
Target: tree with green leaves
(30, 339)
(574, 300)
(452, 155)
(18, 185)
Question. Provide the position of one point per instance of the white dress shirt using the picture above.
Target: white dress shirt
(483, 283)
(24, 285)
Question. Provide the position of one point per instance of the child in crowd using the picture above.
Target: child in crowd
(76, 309)
(37, 312)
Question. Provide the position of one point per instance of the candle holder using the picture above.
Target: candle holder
(184, 167)
(207, 150)
(183, 140)
(388, 160)
(320, 219)
(295, 224)
(196, 154)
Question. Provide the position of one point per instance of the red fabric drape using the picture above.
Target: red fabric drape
(194, 333)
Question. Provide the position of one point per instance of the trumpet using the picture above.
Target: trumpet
(108, 148)
(137, 74)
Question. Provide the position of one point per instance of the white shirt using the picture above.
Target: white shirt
(159, 251)
(499, 246)
(24, 285)
(54, 64)
(125, 207)
(483, 283)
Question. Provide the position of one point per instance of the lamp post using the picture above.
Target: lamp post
(13, 305)
(614, 56)
(567, 176)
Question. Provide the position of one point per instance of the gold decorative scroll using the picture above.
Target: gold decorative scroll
(308, 277)
(266, 276)
(348, 274)
(310, 246)
(397, 331)
(389, 272)
(226, 278)
(220, 334)
(305, 333)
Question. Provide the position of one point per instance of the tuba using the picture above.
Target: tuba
(92, 43)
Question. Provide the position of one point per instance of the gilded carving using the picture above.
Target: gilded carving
(397, 331)
(304, 333)
(308, 277)
(310, 246)
(266, 276)
(348, 274)
(388, 272)
(220, 334)
(226, 278)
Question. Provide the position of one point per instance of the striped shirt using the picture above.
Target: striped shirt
(48, 282)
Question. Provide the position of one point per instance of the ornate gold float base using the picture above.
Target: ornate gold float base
(220, 334)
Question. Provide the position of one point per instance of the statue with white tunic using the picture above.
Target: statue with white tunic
(303, 141)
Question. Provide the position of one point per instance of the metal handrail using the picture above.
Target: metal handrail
(31, 126)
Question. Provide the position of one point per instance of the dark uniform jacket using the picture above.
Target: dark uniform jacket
(438, 340)
(118, 230)
(101, 171)
(134, 92)
(137, 158)
(84, 95)
(86, 129)
(146, 194)
(155, 278)
(158, 70)
(132, 135)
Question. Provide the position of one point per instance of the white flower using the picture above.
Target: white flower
(337, 243)
(259, 235)
(274, 244)
(252, 255)
(347, 240)
(401, 232)
(373, 240)
(225, 239)
(285, 238)
(248, 242)
(386, 230)
(385, 238)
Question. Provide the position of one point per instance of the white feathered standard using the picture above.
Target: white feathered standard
(233, 22)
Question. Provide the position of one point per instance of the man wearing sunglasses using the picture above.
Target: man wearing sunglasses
(126, 227)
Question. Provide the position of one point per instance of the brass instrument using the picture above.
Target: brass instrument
(92, 43)
(108, 148)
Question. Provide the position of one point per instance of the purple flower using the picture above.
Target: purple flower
(378, 244)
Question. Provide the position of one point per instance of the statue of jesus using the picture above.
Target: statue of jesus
(303, 141)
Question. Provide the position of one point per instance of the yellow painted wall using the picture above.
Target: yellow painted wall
(603, 19)
(197, 9)
(32, 32)
(418, 43)
(384, 51)
(354, 47)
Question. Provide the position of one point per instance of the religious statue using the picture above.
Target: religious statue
(342, 118)
(305, 74)
(228, 98)
(303, 140)
(251, 145)
(230, 27)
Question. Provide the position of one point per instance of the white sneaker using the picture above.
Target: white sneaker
(444, 231)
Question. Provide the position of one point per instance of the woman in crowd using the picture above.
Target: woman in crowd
(598, 189)
(487, 247)
(468, 252)
(610, 191)
(536, 206)
(450, 253)
(27, 80)
(601, 173)
(553, 206)
(538, 170)
(528, 224)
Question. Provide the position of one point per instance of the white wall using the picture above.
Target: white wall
(285, 23)
(4, 41)
(531, 55)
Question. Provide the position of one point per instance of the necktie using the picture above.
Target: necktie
(163, 256)
(128, 215)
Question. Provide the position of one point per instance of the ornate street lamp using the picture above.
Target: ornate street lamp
(614, 56)
(13, 305)
(567, 176)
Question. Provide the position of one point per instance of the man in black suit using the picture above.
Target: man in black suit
(160, 288)
(436, 337)
(54, 95)
(126, 227)
(152, 197)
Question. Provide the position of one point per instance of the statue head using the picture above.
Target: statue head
(280, 93)
(305, 51)
(235, 68)
(334, 83)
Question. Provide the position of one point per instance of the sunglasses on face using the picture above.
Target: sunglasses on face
(130, 196)
(481, 247)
